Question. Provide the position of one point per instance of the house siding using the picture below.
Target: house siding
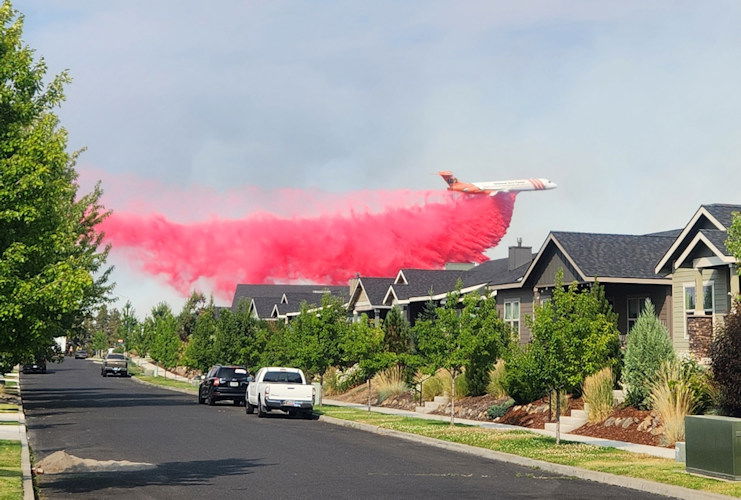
(554, 261)
(618, 295)
(526, 308)
(721, 305)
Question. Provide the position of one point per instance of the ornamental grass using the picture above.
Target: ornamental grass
(598, 396)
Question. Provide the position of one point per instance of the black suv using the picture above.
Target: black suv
(224, 382)
(38, 366)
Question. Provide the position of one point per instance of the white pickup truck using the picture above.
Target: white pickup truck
(277, 388)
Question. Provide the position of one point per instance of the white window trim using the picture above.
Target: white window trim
(519, 314)
(689, 284)
(641, 303)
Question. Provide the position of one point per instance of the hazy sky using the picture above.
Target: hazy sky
(633, 108)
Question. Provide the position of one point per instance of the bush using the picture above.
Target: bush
(390, 382)
(597, 392)
(432, 387)
(496, 380)
(672, 396)
(352, 377)
(498, 410)
(522, 380)
(702, 385)
(648, 347)
(331, 381)
(725, 361)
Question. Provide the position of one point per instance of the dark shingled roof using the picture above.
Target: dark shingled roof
(496, 272)
(425, 282)
(723, 212)
(717, 238)
(672, 232)
(264, 306)
(376, 288)
(248, 291)
(615, 255)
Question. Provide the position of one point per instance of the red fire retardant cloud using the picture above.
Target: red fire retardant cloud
(328, 249)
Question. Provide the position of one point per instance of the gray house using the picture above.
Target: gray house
(704, 277)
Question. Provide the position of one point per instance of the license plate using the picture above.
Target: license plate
(297, 404)
(233, 384)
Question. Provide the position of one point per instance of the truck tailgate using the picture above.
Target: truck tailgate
(293, 392)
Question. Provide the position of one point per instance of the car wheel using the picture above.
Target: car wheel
(200, 399)
(104, 374)
(308, 414)
(210, 400)
(260, 409)
(248, 408)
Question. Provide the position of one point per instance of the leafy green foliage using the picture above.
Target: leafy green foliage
(649, 346)
(523, 379)
(733, 240)
(49, 247)
(726, 362)
(499, 409)
(574, 335)
(165, 347)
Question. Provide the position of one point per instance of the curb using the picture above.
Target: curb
(28, 493)
(176, 389)
(567, 470)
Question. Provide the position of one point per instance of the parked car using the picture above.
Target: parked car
(80, 354)
(38, 366)
(115, 364)
(224, 382)
(279, 388)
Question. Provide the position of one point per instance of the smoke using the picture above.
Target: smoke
(371, 233)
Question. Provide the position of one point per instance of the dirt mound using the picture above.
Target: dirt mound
(61, 462)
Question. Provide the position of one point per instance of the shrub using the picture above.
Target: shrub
(352, 377)
(522, 380)
(331, 382)
(671, 395)
(432, 387)
(648, 347)
(461, 384)
(726, 362)
(597, 392)
(496, 380)
(390, 382)
(702, 385)
(498, 410)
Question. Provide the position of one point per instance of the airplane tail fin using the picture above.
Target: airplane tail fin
(448, 177)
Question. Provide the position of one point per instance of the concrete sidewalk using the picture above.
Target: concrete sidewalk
(152, 369)
(621, 445)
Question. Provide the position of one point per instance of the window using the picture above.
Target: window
(635, 308)
(512, 314)
(690, 298)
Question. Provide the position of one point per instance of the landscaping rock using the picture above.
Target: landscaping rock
(610, 421)
(627, 422)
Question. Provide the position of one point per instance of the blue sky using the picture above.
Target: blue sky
(631, 107)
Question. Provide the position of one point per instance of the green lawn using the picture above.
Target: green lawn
(7, 407)
(167, 382)
(11, 479)
(4, 422)
(544, 448)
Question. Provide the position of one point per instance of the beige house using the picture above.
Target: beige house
(704, 278)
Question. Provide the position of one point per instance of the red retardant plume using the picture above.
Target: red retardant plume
(326, 249)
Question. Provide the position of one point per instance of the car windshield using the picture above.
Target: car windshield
(115, 356)
(284, 377)
(233, 372)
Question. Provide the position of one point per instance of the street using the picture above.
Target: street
(219, 452)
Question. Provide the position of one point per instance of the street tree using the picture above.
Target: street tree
(363, 344)
(52, 259)
(165, 341)
(574, 335)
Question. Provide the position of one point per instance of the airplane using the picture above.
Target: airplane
(493, 187)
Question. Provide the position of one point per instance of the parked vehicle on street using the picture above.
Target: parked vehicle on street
(279, 388)
(38, 366)
(80, 354)
(224, 382)
(115, 364)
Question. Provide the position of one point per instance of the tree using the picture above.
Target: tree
(128, 324)
(733, 241)
(726, 362)
(363, 344)
(199, 350)
(574, 335)
(50, 250)
(189, 314)
(473, 337)
(100, 342)
(649, 346)
(165, 344)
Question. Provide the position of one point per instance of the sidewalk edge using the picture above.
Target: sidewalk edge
(568, 470)
(176, 389)
(28, 493)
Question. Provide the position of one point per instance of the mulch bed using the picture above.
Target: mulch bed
(535, 415)
(628, 427)
(471, 407)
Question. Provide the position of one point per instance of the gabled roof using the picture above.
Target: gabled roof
(607, 257)
(249, 291)
(497, 272)
(426, 282)
(375, 289)
(262, 307)
(717, 216)
(715, 241)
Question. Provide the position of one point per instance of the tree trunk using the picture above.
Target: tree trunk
(452, 401)
(369, 394)
(558, 416)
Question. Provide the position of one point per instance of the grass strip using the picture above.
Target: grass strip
(11, 478)
(9, 422)
(168, 382)
(527, 444)
(8, 407)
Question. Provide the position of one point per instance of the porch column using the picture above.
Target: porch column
(699, 294)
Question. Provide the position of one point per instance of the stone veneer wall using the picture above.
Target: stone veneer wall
(700, 333)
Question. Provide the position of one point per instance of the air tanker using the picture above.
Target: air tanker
(491, 188)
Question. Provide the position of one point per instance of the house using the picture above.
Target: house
(261, 298)
(703, 275)
(623, 264)
(366, 297)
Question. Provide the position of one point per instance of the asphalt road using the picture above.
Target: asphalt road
(219, 452)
